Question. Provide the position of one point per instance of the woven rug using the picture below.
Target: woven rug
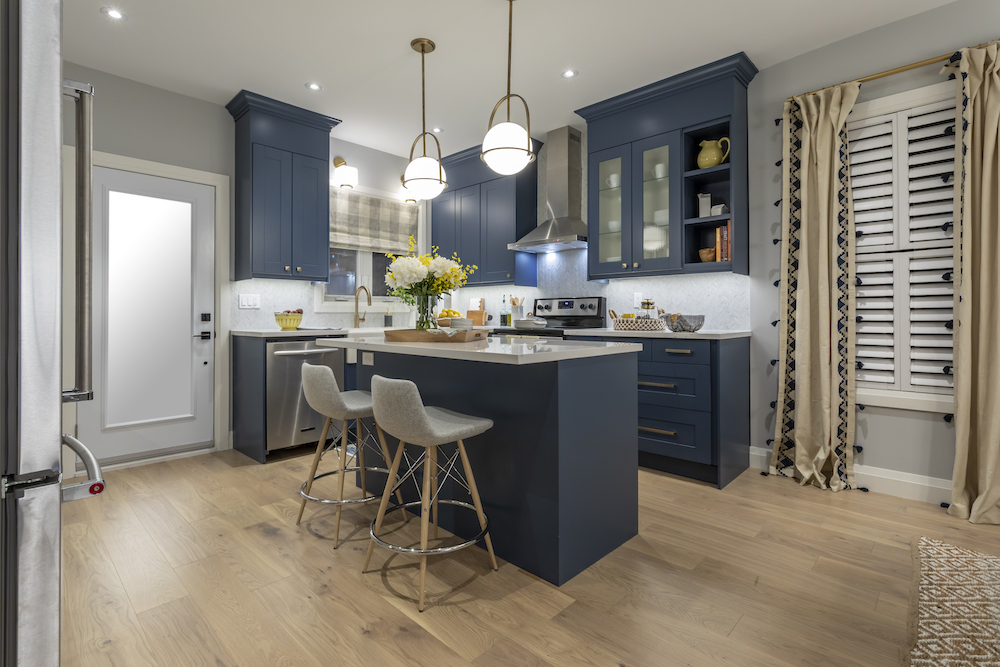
(955, 609)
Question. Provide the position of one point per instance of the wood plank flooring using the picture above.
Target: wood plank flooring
(198, 562)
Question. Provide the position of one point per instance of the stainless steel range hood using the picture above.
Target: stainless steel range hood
(564, 228)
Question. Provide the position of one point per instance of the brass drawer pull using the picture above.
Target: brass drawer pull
(658, 384)
(657, 430)
(673, 351)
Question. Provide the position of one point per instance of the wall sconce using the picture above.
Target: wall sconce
(344, 176)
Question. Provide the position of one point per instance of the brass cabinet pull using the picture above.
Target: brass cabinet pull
(508, 275)
(288, 268)
(624, 265)
(658, 384)
(298, 268)
(657, 430)
(673, 351)
(635, 265)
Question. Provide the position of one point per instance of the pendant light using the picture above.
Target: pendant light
(507, 147)
(424, 177)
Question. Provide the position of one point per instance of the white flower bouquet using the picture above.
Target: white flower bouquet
(421, 280)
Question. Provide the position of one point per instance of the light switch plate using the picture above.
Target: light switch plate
(249, 301)
(637, 299)
(367, 358)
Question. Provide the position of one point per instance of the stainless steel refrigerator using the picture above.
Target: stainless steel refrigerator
(31, 89)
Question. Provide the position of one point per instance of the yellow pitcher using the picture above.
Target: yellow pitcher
(711, 153)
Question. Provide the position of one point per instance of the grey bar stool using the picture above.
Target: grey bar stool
(400, 411)
(324, 396)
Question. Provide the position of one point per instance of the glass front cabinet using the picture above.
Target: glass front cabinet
(635, 217)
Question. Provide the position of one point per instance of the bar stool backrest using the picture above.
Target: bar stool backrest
(399, 410)
(322, 393)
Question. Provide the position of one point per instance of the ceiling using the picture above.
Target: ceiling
(360, 52)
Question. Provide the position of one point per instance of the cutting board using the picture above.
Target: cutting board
(414, 336)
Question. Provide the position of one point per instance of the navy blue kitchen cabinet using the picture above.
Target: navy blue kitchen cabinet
(693, 400)
(480, 213)
(643, 149)
(282, 190)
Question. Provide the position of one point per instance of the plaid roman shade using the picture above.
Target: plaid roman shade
(363, 222)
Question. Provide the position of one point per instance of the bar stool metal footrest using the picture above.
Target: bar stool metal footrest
(436, 550)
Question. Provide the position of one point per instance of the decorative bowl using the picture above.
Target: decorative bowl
(288, 321)
(707, 254)
(678, 322)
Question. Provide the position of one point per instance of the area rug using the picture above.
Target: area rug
(954, 607)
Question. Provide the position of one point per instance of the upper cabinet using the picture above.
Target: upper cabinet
(282, 189)
(480, 213)
(646, 186)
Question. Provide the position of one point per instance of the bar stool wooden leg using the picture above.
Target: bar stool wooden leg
(425, 501)
(340, 481)
(388, 459)
(361, 458)
(380, 516)
(320, 446)
(432, 451)
(476, 501)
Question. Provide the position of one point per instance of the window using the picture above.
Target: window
(902, 163)
(349, 269)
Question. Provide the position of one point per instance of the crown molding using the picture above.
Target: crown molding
(245, 101)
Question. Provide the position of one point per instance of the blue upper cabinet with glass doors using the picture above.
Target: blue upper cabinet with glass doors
(282, 190)
(645, 184)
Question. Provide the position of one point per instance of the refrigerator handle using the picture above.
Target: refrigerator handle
(95, 482)
(83, 93)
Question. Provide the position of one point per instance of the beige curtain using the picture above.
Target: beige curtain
(976, 480)
(814, 431)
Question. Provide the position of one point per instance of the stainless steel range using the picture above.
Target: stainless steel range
(562, 315)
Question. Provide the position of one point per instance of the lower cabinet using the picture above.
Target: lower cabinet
(694, 406)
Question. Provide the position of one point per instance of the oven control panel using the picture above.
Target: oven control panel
(592, 306)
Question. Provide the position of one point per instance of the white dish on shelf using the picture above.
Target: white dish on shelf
(661, 218)
(614, 259)
(614, 225)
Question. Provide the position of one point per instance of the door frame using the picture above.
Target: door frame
(222, 430)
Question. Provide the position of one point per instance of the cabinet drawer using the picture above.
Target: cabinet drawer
(683, 386)
(647, 346)
(680, 351)
(682, 434)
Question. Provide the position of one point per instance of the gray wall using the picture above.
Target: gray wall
(913, 442)
(140, 121)
(376, 169)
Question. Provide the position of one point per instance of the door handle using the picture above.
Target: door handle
(303, 353)
(657, 430)
(204, 335)
(83, 93)
(95, 479)
(658, 384)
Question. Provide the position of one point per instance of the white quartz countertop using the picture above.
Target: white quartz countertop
(299, 333)
(704, 334)
(494, 350)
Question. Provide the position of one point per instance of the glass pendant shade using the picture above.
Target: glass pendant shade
(507, 148)
(424, 178)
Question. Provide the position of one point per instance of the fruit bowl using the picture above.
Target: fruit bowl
(288, 321)
(688, 323)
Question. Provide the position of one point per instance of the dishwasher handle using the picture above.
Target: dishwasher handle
(303, 353)
(95, 479)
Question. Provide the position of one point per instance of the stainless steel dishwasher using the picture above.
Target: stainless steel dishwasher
(290, 420)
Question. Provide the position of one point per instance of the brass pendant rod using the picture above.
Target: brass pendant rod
(895, 70)
(423, 101)
(510, 41)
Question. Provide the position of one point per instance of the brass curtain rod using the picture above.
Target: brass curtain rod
(890, 72)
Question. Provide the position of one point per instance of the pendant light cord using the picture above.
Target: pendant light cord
(510, 41)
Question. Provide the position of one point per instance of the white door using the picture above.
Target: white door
(154, 256)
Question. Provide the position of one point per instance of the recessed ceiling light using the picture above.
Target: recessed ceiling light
(113, 13)
(437, 130)
(314, 86)
(569, 74)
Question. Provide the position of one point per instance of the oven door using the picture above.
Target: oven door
(290, 420)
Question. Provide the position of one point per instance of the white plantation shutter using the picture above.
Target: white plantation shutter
(902, 168)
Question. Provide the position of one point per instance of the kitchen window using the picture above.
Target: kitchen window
(350, 269)
(902, 162)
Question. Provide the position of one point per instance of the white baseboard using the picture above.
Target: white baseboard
(881, 480)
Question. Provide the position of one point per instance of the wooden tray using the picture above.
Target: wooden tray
(414, 336)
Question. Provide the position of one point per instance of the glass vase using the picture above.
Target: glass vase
(425, 312)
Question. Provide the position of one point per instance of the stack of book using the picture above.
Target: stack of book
(723, 242)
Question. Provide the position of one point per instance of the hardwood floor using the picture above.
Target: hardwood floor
(198, 562)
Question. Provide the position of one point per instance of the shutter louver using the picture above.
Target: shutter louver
(871, 169)
(931, 315)
(930, 160)
(874, 343)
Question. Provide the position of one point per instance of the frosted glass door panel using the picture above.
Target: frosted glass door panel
(610, 211)
(148, 310)
(656, 202)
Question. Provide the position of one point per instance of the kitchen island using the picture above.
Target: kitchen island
(557, 472)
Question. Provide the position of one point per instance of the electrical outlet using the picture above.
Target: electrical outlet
(367, 358)
(249, 301)
(637, 299)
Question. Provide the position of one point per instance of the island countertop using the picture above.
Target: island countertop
(703, 334)
(493, 350)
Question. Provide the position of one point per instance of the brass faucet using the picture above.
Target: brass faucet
(358, 320)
